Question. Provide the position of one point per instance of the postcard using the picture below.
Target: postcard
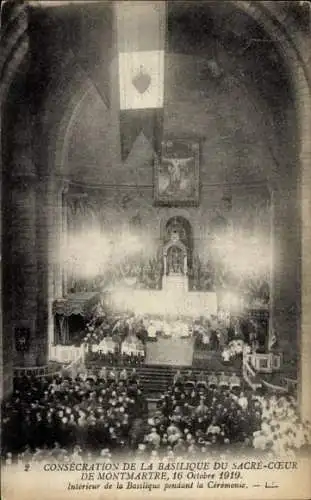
(155, 249)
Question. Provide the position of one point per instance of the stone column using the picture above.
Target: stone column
(285, 307)
(24, 279)
(57, 233)
(28, 281)
(60, 189)
(64, 238)
(44, 231)
(272, 266)
(57, 227)
(14, 48)
(304, 379)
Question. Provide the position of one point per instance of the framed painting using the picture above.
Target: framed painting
(177, 173)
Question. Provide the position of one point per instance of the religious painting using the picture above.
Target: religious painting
(176, 173)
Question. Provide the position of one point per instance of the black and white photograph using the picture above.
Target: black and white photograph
(155, 249)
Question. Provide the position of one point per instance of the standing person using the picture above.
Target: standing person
(214, 343)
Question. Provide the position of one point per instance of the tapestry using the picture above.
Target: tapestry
(176, 173)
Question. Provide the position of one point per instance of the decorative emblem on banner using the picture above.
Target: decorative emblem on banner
(22, 339)
(142, 81)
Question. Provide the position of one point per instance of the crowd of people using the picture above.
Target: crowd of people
(200, 418)
(281, 430)
(213, 333)
(64, 412)
(114, 338)
(108, 414)
(222, 416)
(116, 358)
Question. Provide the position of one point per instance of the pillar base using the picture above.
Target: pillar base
(35, 371)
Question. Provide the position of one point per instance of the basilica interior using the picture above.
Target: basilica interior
(155, 237)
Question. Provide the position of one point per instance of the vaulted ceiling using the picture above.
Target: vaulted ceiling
(225, 83)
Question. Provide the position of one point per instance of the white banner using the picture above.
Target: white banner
(141, 79)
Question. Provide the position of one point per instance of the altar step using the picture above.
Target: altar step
(156, 379)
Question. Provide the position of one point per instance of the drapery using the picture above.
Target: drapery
(141, 30)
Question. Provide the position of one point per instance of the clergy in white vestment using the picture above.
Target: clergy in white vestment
(152, 330)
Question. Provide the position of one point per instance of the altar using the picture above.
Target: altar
(175, 265)
(174, 299)
(173, 303)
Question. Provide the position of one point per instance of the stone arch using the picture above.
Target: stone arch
(181, 222)
(70, 92)
(291, 46)
(181, 213)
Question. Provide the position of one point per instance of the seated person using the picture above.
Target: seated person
(152, 331)
(166, 329)
(178, 378)
(202, 409)
(234, 381)
(212, 380)
(243, 401)
(223, 380)
(213, 429)
(190, 376)
(153, 438)
(202, 378)
(123, 375)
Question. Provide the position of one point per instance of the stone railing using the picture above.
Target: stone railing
(291, 384)
(249, 374)
(275, 387)
(257, 363)
(66, 353)
(265, 362)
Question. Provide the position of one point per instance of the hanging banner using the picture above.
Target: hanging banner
(141, 79)
(141, 29)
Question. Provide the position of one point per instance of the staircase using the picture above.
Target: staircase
(155, 379)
